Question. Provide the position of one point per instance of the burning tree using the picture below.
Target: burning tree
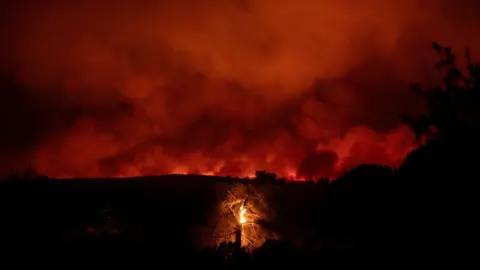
(241, 213)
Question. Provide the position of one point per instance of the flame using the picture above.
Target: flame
(238, 215)
(161, 97)
(241, 215)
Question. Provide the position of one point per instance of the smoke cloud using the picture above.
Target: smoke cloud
(300, 88)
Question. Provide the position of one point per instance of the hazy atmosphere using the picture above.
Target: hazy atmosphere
(299, 88)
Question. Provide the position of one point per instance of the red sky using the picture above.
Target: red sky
(122, 88)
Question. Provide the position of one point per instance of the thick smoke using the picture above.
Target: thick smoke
(299, 88)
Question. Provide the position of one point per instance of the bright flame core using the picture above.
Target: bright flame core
(242, 212)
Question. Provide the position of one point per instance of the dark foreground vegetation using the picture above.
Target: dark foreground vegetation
(424, 210)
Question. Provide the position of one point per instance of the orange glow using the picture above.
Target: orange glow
(241, 215)
(303, 89)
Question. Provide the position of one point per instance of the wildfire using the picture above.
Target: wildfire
(243, 209)
(241, 215)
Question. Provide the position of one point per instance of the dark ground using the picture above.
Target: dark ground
(371, 214)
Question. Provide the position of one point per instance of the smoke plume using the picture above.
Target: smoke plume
(300, 88)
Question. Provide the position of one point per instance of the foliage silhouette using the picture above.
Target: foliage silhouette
(453, 106)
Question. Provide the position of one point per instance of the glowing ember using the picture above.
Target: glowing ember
(243, 209)
(241, 215)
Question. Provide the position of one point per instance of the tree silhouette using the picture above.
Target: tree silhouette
(437, 181)
(453, 106)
